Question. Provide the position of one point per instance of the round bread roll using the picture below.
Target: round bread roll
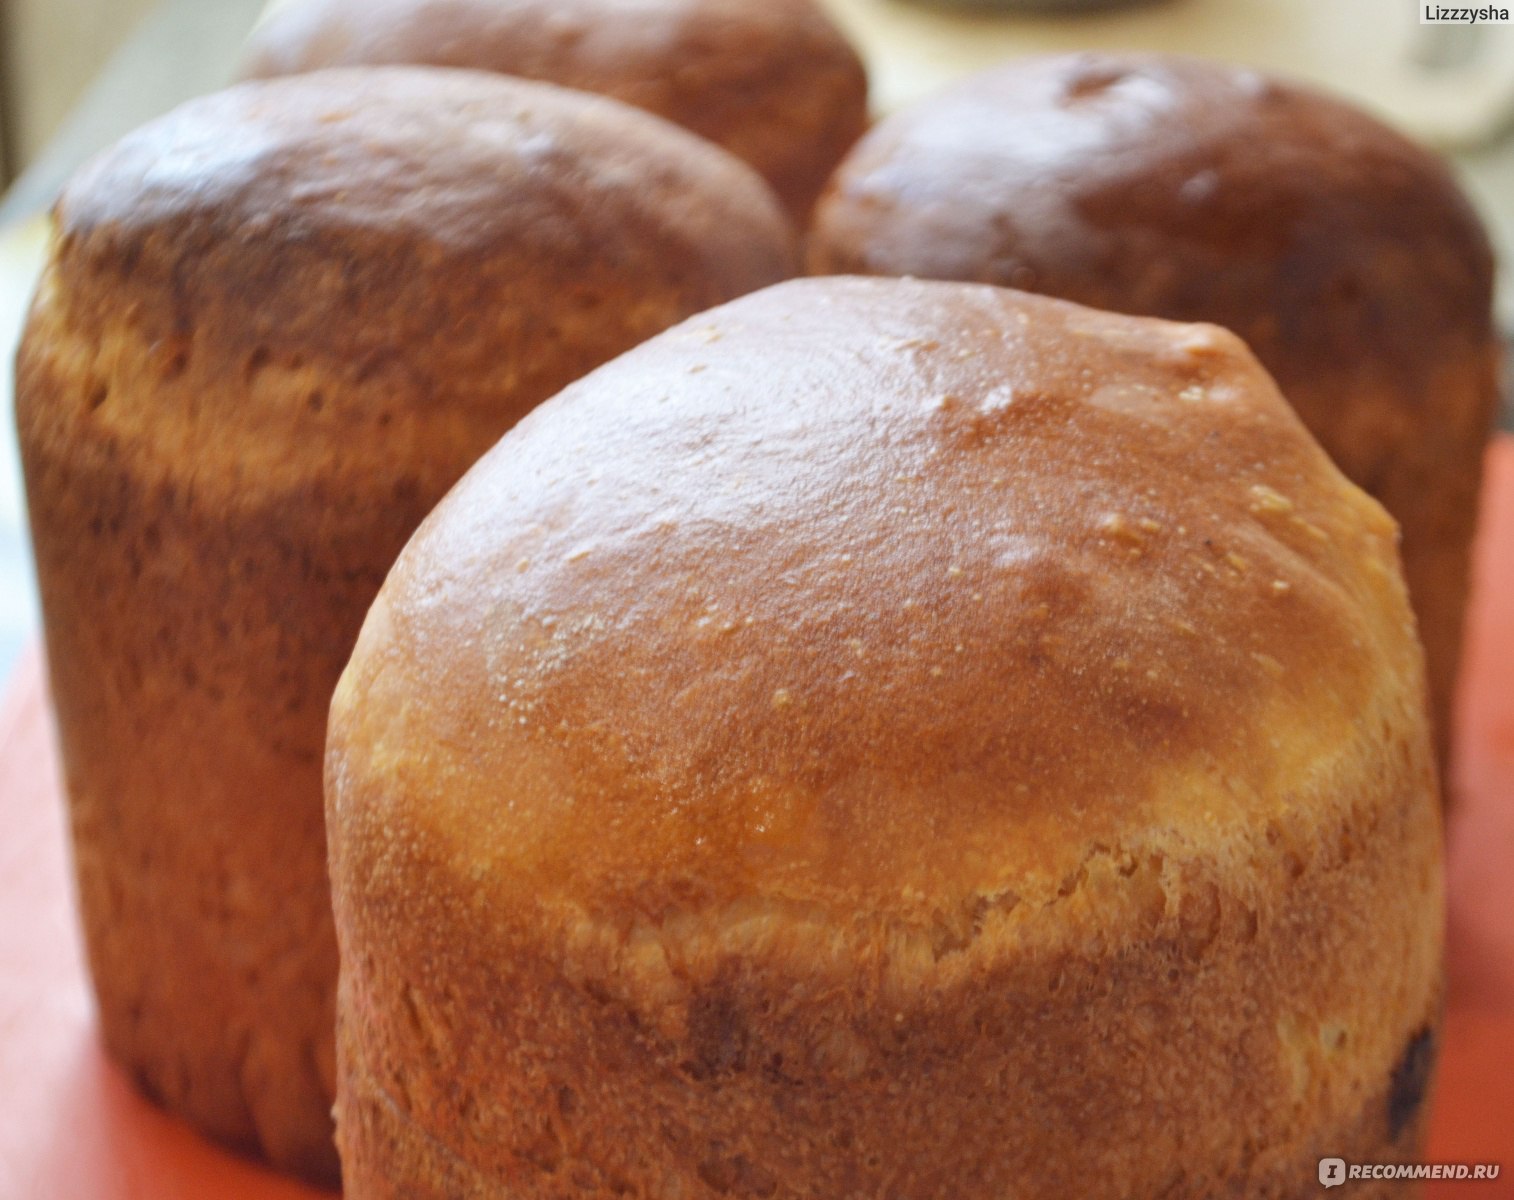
(1341, 252)
(886, 738)
(277, 325)
(775, 83)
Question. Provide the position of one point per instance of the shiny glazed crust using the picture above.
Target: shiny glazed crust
(1342, 253)
(277, 326)
(885, 738)
(773, 82)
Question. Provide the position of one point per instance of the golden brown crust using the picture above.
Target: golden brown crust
(886, 737)
(410, 230)
(774, 83)
(277, 326)
(1342, 253)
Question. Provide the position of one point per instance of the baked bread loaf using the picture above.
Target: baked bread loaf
(886, 738)
(1341, 252)
(775, 83)
(277, 326)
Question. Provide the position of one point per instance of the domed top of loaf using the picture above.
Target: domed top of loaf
(889, 597)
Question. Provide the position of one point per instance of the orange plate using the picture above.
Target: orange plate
(71, 1128)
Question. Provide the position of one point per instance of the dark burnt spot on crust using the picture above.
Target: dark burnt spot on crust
(1093, 80)
(737, 1176)
(1410, 1081)
(717, 1036)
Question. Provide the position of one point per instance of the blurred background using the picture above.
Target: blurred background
(76, 74)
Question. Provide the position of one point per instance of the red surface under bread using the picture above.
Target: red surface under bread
(72, 1129)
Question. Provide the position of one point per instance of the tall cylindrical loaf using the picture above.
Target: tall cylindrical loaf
(886, 738)
(773, 82)
(277, 325)
(1341, 252)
